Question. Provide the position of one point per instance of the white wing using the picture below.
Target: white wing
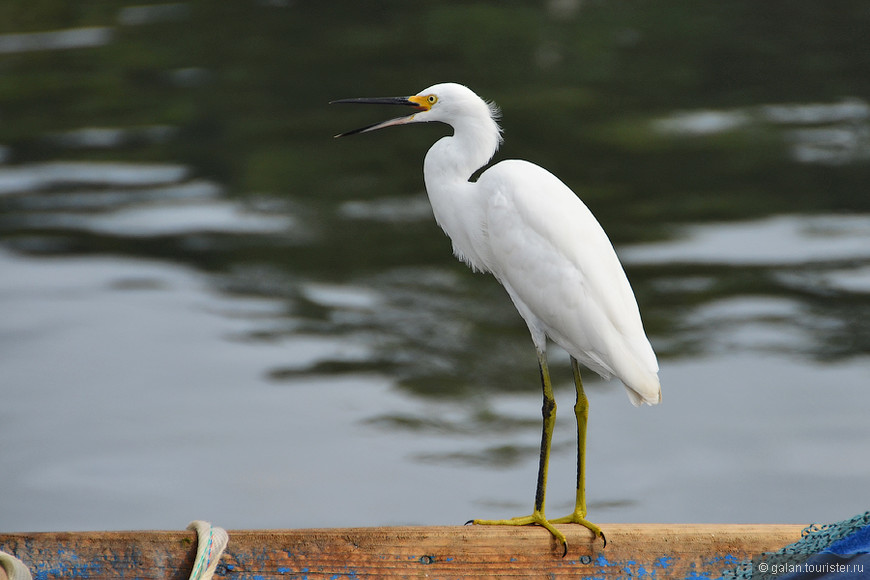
(560, 269)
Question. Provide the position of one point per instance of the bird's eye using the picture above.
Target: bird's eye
(432, 99)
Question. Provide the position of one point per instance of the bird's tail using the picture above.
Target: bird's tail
(649, 391)
(643, 386)
(651, 398)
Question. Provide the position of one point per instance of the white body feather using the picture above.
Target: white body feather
(522, 224)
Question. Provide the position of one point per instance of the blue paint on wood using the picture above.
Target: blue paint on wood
(65, 564)
(731, 560)
(601, 567)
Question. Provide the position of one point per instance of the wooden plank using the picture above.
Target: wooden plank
(633, 550)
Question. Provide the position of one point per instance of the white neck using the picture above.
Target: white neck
(448, 166)
(474, 142)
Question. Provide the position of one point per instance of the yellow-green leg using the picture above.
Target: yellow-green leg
(581, 409)
(549, 416)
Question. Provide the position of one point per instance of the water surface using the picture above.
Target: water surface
(211, 309)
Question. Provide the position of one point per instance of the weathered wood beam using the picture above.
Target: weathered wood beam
(667, 551)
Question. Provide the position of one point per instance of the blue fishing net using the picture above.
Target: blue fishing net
(839, 551)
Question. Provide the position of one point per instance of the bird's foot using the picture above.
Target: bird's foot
(578, 517)
(537, 518)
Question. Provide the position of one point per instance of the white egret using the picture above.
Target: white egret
(520, 223)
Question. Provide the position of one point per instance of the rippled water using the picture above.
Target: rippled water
(210, 309)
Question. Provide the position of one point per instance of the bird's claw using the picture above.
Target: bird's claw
(536, 518)
(578, 518)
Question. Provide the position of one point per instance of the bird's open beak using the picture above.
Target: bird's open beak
(417, 102)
